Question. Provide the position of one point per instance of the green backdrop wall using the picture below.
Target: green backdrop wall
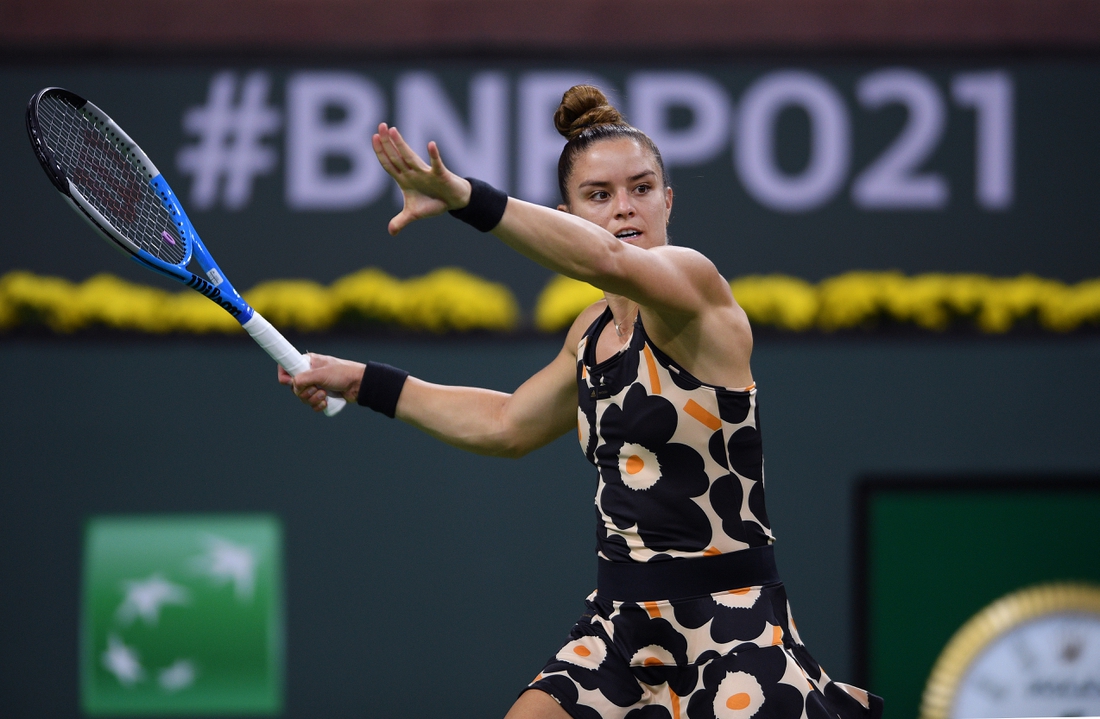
(408, 562)
(418, 577)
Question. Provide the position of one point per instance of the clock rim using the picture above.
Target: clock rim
(1011, 610)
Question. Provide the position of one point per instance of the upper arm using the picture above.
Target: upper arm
(545, 406)
(669, 280)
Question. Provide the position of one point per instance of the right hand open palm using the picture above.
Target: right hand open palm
(428, 190)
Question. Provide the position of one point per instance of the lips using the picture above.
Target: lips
(628, 234)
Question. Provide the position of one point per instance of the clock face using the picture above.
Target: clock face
(1046, 666)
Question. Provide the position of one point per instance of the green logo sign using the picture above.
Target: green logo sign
(182, 615)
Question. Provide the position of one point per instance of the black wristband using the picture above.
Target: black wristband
(381, 387)
(486, 206)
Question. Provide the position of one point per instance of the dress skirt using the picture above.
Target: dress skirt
(732, 654)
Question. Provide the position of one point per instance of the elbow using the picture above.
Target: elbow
(511, 450)
(513, 442)
(507, 438)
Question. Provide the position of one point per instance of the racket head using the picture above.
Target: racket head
(107, 178)
(112, 183)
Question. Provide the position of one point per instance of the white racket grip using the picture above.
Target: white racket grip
(293, 361)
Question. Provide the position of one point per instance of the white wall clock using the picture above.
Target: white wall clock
(1032, 653)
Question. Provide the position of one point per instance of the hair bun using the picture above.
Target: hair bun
(584, 106)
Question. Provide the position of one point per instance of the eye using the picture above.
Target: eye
(643, 188)
(599, 195)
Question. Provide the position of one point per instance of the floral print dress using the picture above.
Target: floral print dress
(680, 476)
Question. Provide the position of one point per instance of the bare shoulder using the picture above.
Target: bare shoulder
(698, 270)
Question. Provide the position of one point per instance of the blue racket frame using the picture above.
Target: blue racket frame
(215, 286)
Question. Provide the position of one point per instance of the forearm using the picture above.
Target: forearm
(561, 242)
(469, 418)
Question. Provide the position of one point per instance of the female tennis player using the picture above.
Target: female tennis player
(689, 618)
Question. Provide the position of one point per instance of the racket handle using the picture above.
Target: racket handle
(293, 361)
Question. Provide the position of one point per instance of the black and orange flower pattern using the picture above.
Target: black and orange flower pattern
(680, 474)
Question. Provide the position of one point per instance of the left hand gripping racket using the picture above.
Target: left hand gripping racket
(112, 184)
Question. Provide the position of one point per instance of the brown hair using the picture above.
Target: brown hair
(584, 118)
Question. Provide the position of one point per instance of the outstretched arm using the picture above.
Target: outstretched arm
(496, 423)
(686, 303)
(669, 280)
(478, 420)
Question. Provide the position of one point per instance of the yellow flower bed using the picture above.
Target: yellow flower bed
(561, 301)
(450, 299)
(446, 299)
(856, 299)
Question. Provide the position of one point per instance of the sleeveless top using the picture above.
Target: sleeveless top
(680, 465)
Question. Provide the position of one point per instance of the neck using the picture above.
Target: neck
(623, 312)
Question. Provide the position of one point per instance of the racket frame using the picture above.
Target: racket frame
(215, 286)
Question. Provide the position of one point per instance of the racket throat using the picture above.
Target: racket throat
(214, 294)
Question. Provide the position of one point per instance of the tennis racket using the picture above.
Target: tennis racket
(112, 184)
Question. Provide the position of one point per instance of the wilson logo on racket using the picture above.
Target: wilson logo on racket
(201, 285)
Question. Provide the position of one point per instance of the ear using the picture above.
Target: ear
(668, 199)
(563, 208)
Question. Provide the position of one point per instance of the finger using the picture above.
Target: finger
(385, 158)
(317, 361)
(403, 156)
(309, 383)
(436, 159)
(283, 375)
(304, 380)
(399, 222)
(312, 396)
(392, 143)
(407, 154)
(388, 150)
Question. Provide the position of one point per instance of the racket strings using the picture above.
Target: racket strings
(98, 166)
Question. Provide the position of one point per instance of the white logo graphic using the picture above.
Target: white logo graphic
(122, 661)
(653, 97)
(145, 597)
(315, 139)
(500, 129)
(227, 562)
(229, 153)
(178, 676)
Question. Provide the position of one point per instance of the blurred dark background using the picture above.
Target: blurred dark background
(420, 580)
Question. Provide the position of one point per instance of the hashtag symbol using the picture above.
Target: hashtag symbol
(229, 153)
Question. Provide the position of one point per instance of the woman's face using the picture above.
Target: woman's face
(617, 184)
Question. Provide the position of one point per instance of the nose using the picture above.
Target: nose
(624, 204)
